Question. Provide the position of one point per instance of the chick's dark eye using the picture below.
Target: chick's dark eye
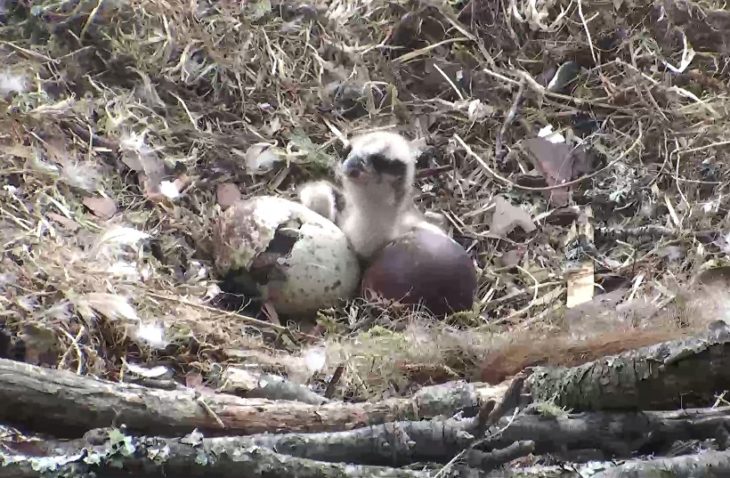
(384, 165)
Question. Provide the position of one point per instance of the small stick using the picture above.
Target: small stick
(330, 390)
(499, 150)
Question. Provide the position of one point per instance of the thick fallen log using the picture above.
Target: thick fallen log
(487, 461)
(393, 444)
(667, 376)
(152, 458)
(403, 443)
(621, 434)
(72, 404)
(106, 451)
(710, 464)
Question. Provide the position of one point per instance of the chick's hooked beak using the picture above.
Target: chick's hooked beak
(354, 167)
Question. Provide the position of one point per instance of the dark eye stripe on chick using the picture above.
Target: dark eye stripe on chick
(383, 165)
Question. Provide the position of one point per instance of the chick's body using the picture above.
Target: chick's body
(375, 204)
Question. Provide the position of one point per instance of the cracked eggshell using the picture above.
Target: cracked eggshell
(301, 261)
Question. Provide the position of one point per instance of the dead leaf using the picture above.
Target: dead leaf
(67, 223)
(112, 306)
(142, 158)
(564, 76)
(512, 258)
(101, 207)
(41, 345)
(270, 313)
(506, 217)
(158, 372)
(193, 380)
(227, 194)
(558, 163)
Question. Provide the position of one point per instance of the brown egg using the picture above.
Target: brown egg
(423, 266)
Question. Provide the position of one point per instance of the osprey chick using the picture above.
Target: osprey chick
(375, 204)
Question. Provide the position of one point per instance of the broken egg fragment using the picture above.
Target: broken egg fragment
(423, 267)
(288, 255)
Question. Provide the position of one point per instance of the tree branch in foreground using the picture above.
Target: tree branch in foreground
(621, 434)
(670, 375)
(72, 404)
(153, 458)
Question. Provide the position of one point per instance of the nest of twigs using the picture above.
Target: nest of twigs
(125, 120)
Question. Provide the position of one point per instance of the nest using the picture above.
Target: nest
(128, 121)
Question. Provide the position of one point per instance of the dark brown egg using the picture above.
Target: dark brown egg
(423, 267)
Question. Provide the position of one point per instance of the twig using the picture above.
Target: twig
(451, 83)
(211, 412)
(536, 286)
(488, 415)
(588, 32)
(483, 163)
(510, 400)
(499, 152)
(330, 390)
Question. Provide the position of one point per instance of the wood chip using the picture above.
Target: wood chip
(101, 207)
(581, 282)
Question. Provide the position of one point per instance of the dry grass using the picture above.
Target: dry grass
(108, 102)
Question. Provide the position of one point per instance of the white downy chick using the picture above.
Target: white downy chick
(375, 204)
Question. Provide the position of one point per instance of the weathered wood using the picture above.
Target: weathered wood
(254, 384)
(402, 443)
(616, 435)
(488, 461)
(153, 458)
(670, 375)
(66, 405)
(710, 464)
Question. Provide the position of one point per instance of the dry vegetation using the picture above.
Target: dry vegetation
(109, 106)
(125, 122)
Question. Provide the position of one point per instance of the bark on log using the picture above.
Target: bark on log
(399, 444)
(667, 376)
(153, 458)
(617, 435)
(710, 464)
(487, 461)
(72, 404)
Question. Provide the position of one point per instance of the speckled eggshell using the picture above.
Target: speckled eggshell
(320, 269)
